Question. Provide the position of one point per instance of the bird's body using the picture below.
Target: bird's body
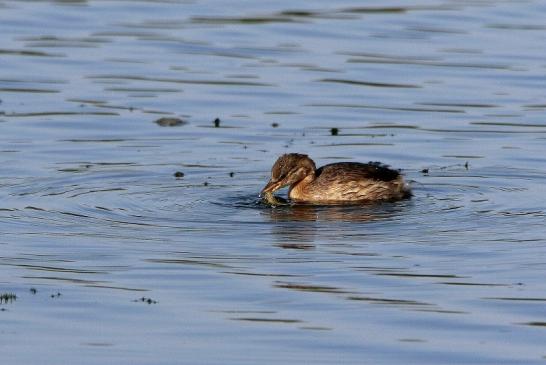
(342, 182)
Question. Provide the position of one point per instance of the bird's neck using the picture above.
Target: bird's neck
(298, 190)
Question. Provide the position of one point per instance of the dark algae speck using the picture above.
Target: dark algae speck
(170, 122)
(145, 300)
(7, 298)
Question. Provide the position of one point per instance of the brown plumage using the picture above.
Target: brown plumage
(342, 182)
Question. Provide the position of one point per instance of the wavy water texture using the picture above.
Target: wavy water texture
(136, 136)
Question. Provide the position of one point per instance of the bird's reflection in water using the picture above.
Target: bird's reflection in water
(296, 226)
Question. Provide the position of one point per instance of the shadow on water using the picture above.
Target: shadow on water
(333, 213)
(288, 211)
(296, 226)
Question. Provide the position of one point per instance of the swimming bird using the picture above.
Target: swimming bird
(341, 182)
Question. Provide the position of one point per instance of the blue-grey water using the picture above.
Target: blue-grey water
(113, 260)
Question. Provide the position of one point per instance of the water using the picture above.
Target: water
(114, 260)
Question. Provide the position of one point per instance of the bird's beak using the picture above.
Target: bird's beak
(271, 187)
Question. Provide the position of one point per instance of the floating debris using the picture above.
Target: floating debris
(216, 123)
(7, 298)
(179, 174)
(145, 300)
(170, 122)
(334, 131)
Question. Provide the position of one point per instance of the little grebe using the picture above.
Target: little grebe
(335, 183)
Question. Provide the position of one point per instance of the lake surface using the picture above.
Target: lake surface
(114, 260)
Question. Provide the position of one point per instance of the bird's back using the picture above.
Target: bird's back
(357, 171)
(353, 181)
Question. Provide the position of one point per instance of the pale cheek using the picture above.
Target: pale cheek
(292, 177)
